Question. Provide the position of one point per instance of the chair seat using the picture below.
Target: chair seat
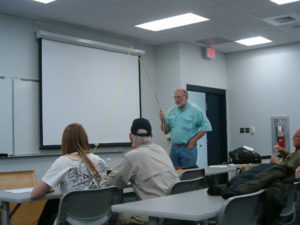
(91, 221)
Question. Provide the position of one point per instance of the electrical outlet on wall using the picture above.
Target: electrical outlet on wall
(252, 130)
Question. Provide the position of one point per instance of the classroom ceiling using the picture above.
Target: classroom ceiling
(230, 20)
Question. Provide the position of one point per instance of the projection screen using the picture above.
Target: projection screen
(98, 89)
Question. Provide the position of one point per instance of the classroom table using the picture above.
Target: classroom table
(6, 196)
(191, 206)
(219, 169)
(216, 170)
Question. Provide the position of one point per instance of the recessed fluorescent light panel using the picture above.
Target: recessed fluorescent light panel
(171, 22)
(44, 1)
(282, 2)
(253, 41)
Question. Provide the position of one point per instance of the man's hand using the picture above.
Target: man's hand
(278, 148)
(283, 153)
(192, 143)
(164, 128)
(162, 115)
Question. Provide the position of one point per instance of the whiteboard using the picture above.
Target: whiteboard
(26, 114)
(96, 88)
(6, 120)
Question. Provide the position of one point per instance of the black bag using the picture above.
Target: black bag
(242, 155)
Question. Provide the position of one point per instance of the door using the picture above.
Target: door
(216, 111)
(199, 99)
(215, 104)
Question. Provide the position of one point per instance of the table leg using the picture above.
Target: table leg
(5, 213)
(216, 179)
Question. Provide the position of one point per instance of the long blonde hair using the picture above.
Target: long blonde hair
(75, 139)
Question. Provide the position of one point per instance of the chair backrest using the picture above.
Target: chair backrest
(17, 179)
(288, 213)
(239, 210)
(88, 207)
(187, 185)
(192, 174)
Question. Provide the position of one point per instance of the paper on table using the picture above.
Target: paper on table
(20, 190)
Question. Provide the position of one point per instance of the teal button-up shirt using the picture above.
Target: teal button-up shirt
(185, 124)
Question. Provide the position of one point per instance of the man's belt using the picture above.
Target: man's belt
(180, 145)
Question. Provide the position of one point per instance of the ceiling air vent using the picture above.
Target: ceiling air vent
(286, 19)
(282, 20)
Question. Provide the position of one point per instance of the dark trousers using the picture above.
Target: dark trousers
(49, 213)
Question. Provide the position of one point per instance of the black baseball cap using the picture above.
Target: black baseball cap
(141, 123)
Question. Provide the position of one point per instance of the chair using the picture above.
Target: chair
(239, 210)
(89, 207)
(192, 174)
(186, 185)
(288, 213)
(15, 180)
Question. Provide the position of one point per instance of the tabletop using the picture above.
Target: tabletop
(193, 206)
(9, 196)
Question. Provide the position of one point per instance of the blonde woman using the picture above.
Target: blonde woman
(76, 169)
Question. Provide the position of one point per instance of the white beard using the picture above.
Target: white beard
(180, 104)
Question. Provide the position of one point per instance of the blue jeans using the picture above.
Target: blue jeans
(182, 156)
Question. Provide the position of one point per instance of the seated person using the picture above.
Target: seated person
(289, 159)
(276, 179)
(76, 169)
(147, 166)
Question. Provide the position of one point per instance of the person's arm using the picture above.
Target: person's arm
(121, 174)
(292, 160)
(164, 128)
(204, 126)
(40, 190)
(280, 150)
(52, 178)
(193, 141)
